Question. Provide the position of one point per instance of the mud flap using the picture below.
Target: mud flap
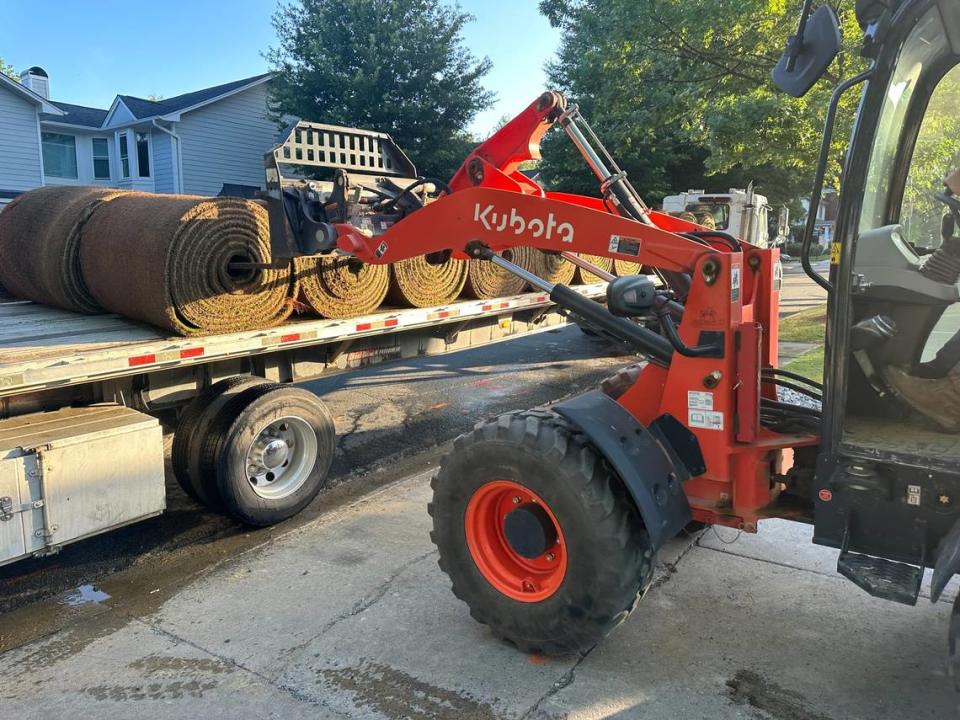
(645, 459)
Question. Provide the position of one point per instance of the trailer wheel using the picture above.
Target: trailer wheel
(271, 448)
(537, 533)
(185, 441)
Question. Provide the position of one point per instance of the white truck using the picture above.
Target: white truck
(742, 213)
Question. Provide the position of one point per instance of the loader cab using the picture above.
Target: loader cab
(888, 478)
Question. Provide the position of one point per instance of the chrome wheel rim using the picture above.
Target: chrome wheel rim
(281, 458)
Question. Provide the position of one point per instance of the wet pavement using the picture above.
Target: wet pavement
(348, 616)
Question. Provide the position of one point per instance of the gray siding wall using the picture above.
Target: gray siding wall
(163, 162)
(19, 143)
(225, 142)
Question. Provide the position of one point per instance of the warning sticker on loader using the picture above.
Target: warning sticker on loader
(705, 419)
(835, 253)
(734, 283)
(699, 400)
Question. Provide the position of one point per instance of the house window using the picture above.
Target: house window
(124, 156)
(59, 155)
(101, 158)
(143, 154)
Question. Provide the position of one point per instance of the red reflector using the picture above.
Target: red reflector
(504, 305)
(364, 326)
(392, 322)
(141, 360)
(191, 353)
(443, 314)
(541, 298)
(487, 307)
(289, 338)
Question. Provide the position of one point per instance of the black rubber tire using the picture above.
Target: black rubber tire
(609, 558)
(199, 471)
(184, 438)
(235, 428)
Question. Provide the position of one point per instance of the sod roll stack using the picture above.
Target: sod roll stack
(167, 260)
(625, 267)
(40, 234)
(604, 263)
(422, 282)
(339, 287)
(554, 269)
(486, 280)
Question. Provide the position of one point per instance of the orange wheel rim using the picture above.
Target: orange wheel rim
(522, 578)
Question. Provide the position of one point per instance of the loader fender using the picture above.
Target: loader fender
(948, 562)
(647, 463)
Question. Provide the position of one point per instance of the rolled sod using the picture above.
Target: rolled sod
(40, 237)
(585, 276)
(419, 282)
(625, 267)
(166, 260)
(486, 280)
(339, 287)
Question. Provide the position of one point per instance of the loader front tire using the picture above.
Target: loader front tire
(537, 533)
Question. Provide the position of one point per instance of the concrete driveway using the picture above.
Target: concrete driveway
(349, 617)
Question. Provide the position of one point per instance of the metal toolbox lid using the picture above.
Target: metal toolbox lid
(68, 426)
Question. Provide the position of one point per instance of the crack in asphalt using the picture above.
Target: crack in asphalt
(362, 605)
(569, 677)
(289, 690)
(565, 681)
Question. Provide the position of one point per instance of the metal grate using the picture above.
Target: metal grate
(354, 150)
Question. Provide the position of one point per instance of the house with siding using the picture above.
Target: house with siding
(197, 143)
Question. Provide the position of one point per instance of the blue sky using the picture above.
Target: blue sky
(96, 50)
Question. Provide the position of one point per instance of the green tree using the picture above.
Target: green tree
(397, 66)
(681, 92)
(8, 70)
(935, 155)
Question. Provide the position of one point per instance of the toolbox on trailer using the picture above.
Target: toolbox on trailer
(76, 472)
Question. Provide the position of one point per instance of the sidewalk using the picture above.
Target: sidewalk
(349, 616)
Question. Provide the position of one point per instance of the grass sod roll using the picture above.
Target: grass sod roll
(625, 267)
(340, 287)
(585, 276)
(486, 280)
(40, 238)
(419, 282)
(166, 260)
(554, 269)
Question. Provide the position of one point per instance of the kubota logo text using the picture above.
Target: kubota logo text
(537, 227)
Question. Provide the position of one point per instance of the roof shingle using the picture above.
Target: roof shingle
(143, 108)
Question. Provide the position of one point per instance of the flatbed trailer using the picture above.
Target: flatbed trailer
(83, 398)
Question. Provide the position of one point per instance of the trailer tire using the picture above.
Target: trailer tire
(548, 470)
(185, 441)
(271, 450)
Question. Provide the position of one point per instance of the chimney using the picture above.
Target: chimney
(36, 79)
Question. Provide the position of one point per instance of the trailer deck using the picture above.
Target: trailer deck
(43, 347)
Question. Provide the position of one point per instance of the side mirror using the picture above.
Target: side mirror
(631, 295)
(809, 52)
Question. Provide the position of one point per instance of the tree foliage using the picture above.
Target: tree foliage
(396, 66)
(935, 155)
(8, 70)
(681, 93)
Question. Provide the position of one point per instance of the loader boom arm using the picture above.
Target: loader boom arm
(493, 203)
